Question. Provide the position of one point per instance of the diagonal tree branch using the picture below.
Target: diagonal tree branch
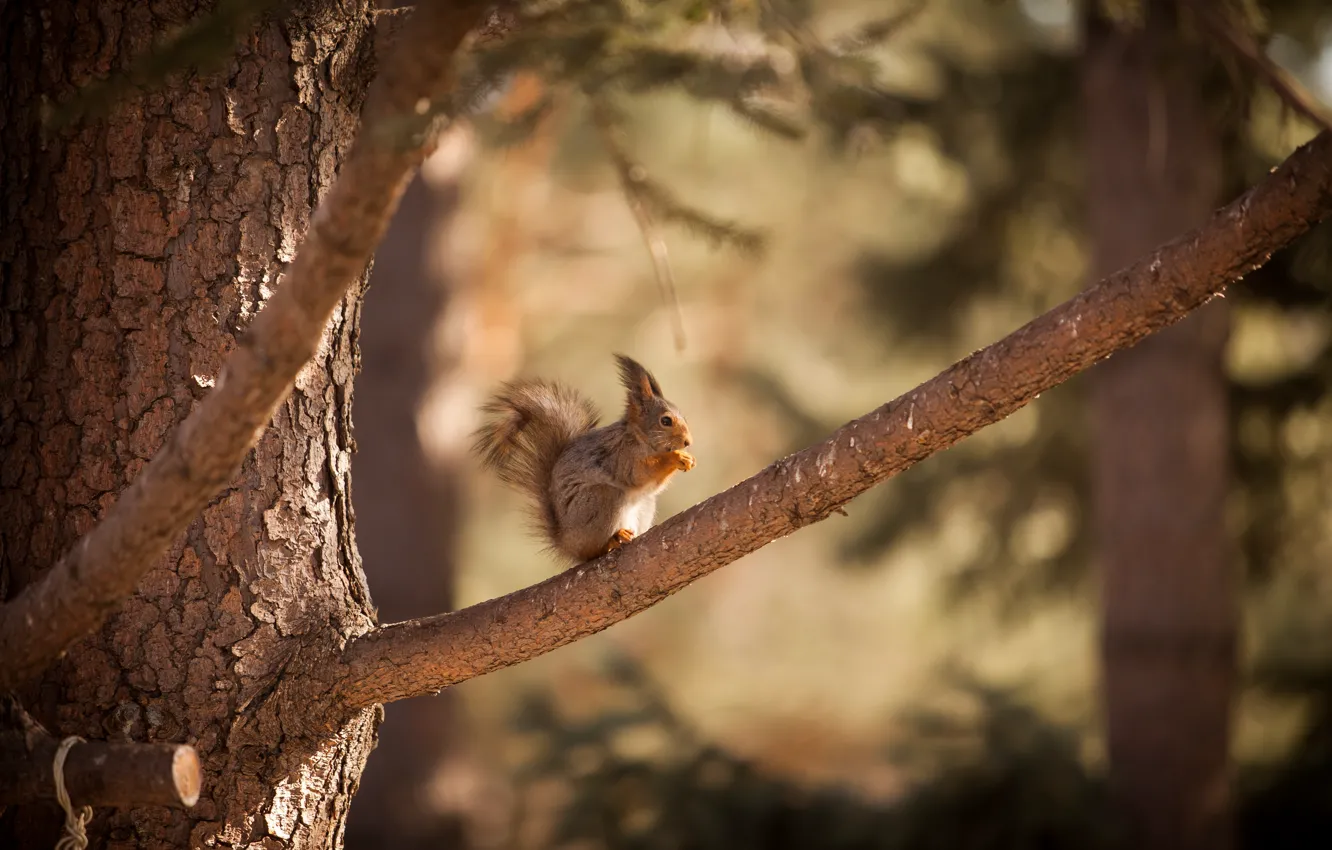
(204, 453)
(424, 656)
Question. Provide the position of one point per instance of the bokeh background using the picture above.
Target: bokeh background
(923, 672)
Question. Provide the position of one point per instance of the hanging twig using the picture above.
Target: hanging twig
(1216, 18)
(876, 31)
(631, 176)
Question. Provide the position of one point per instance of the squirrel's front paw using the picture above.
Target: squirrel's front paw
(683, 459)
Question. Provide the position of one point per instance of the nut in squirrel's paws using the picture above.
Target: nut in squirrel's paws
(683, 459)
(619, 538)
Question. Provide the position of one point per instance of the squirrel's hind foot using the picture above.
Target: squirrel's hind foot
(619, 538)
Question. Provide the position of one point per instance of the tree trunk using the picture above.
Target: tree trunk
(1161, 456)
(135, 249)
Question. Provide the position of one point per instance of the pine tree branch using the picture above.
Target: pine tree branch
(200, 47)
(878, 30)
(423, 656)
(655, 198)
(205, 452)
(1240, 42)
(604, 119)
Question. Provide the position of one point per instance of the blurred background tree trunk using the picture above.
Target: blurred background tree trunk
(408, 497)
(1161, 452)
(408, 500)
(429, 349)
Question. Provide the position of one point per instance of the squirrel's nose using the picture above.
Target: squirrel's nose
(687, 442)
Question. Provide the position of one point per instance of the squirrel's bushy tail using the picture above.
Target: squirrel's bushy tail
(529, 424)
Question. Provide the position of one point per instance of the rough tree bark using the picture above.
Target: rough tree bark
(134, 250)
(1161, 454)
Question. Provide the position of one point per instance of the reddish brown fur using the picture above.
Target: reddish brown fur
(659, 468)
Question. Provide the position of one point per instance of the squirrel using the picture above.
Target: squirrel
(593, 488)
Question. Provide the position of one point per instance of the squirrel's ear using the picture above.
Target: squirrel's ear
(637, 381)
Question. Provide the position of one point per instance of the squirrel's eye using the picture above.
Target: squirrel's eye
(667, 421)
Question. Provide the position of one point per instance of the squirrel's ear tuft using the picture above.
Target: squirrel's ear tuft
(637, 380)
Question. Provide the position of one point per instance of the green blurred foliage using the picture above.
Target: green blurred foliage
(981, 100)
(1009, 780)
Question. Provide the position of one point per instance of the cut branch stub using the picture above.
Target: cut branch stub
(98, 773)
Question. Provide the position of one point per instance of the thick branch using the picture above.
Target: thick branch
(423, 656)
(204, 453)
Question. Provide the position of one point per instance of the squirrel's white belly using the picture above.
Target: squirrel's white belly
(636, 514)
(628, 518)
